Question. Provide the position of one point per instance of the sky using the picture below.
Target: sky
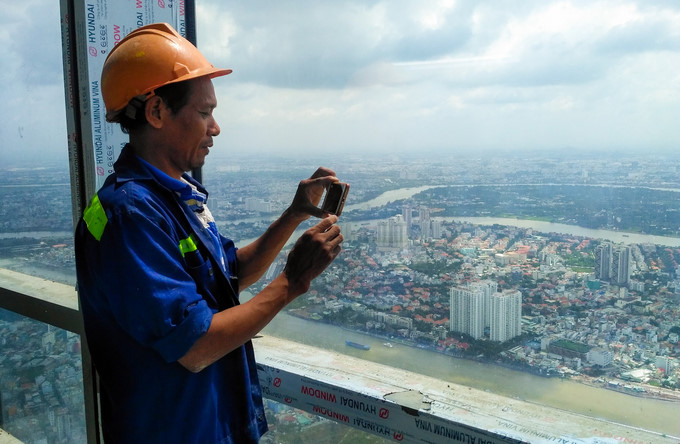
(394, 76)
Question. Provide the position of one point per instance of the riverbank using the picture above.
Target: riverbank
(616, 385)
(629, 388)
(553, 227)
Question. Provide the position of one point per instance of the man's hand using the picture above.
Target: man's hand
(311, 254)
(309, 193)
(230, 328)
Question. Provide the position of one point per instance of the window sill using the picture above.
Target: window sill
(401, 405)
(6, 438)
(40, 299)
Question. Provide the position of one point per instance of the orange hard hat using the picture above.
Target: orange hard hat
(146, 59)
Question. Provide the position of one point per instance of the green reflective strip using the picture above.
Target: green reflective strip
(187, 245)
(95, 218)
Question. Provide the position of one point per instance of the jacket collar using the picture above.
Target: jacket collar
(129, 167)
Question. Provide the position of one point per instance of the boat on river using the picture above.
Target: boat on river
(357, 345)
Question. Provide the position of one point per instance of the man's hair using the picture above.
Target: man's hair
(174, 95)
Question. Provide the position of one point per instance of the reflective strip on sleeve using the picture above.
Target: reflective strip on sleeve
(187, 245)
(95, 218)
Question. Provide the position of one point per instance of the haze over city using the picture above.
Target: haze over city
(394, 76)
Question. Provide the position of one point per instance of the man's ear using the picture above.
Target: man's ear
(155, 111)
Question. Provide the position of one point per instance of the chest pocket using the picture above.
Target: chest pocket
(201, 270)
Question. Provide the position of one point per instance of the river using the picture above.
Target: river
(540, 226)
(650, 414)
(550, 227)
(36, 234)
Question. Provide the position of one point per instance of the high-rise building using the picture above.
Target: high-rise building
(506, 315)
(620, 267)
(488, 288)
(479, 305)
(436, 229)
(392, 233)
(424, 223)
(602, 261)
(466, 311)
(612, 263)
(347, 229)
(407, 214)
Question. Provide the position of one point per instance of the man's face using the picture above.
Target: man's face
(189, 133)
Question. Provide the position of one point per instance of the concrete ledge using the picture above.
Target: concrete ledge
(46, 301)
(407, 407)
(6, 438)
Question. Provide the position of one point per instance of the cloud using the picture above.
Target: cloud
(30, 43)
(383, 75)
(342, 44)
(32, 120)
(403, 72)
(324, 44)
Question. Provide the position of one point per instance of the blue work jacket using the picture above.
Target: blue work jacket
(149, 284)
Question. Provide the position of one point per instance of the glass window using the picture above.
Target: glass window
(290, 425)
(36, 227)
(512, 212)
(41, 381)
(513, 204)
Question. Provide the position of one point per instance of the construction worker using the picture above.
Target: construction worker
(158, 284)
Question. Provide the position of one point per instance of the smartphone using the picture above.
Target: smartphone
(335, 198)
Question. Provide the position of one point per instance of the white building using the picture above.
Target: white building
(467, 311)
(392, 233)
(407, 214)
(506, 315)
(488, 289)
(259, 205)
(600, 356)
(636, 286)
(424, 223)
(347, 230)
(612, 263)
(436, 229)
(664, 363)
